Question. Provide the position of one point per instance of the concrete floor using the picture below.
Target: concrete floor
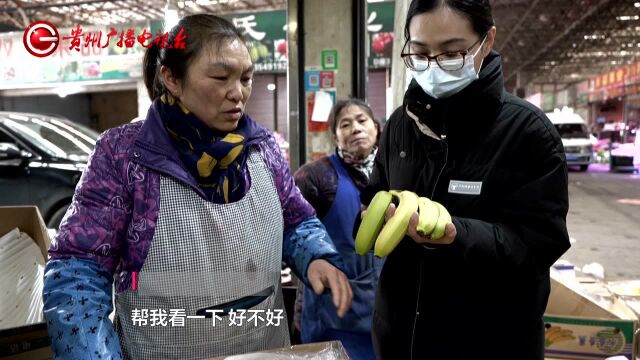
(604, 221)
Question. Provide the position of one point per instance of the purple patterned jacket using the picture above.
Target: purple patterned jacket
(113, 216)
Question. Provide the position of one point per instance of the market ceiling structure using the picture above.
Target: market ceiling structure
(541, 41)
(566, 41)
(68, 13)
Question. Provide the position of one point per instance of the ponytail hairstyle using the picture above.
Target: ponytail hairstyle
(202, 32)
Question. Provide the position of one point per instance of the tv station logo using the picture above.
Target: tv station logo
(41, 39)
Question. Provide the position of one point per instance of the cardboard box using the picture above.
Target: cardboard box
(27, 219)
(32, 341)
(580, 327)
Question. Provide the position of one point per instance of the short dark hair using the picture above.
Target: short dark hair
(477, 11)
(201, 30)
(343, 104)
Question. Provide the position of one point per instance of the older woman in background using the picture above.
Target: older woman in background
(332, 186)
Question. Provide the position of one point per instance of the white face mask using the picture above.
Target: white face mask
(440, 83)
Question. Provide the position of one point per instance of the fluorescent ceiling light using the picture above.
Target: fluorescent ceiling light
(171, 17)
(628, 17)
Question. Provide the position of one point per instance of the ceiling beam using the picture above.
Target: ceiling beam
(21, 12)
(10, 20)
(245, 4)
(134, 7)
(592, 10)
(512, 50)
(196, 9)
(516, 27)
(59, 18)
(48, 5)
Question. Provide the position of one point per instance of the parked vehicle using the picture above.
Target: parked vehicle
(616, 143)
(41, 160)
(578, 142)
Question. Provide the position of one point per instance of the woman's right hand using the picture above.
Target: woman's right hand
(323, 275)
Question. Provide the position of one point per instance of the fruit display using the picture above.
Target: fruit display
(382, 44)
(432, 220)
(92, 69)
(281, 49)
(258, 51)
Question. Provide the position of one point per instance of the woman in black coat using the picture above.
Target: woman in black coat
(497, 164)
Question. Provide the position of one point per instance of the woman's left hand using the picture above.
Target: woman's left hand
(448, 238)
(321, 275)
(449, 230)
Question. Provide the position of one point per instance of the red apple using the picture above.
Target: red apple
(377, 43)
(282, 48)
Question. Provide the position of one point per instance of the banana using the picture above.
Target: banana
(428, 218)
(396, 228)
(372, 222)
(565, 338)
(552, 330)
(443, 219)
(559, 336)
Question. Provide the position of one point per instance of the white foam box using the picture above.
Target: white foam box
(30, 341)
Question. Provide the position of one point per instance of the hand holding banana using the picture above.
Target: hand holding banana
(430, 225)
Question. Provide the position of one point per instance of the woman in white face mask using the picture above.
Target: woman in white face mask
(497, 165)
(438, 53)
(452, 70)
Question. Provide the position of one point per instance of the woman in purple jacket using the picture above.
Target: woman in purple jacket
(191, 213)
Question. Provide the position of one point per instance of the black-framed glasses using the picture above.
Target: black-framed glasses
(448, 61)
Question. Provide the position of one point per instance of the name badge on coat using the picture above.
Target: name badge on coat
(465, 187)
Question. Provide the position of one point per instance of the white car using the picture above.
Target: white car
(578, 143)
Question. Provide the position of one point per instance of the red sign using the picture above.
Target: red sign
(615, 78)
(617, 82)
(41, 39)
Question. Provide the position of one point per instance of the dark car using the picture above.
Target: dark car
(41, 160)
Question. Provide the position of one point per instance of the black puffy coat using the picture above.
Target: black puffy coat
(482, 297)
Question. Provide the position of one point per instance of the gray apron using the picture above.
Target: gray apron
(207, 258)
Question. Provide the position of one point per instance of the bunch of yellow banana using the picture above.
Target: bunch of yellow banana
(433, 218)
